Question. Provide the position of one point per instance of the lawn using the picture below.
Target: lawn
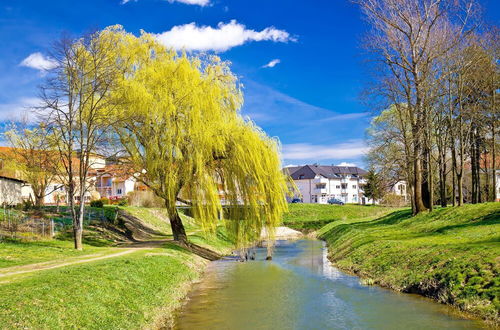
(16, 253)
(137, 290)
(451, 254)
(314, 216)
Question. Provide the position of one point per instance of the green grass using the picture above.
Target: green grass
(132, 291)
(157, 218)
(314, 216)
(127, 292)
(451, 254)
(16, 253)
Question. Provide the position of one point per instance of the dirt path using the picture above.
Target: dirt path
(17, 270)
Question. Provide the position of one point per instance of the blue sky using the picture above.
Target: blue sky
(300, 61)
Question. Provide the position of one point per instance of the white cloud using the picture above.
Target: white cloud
(272, 64)
(346, 164)
(192, 2)
(306, 151)
(346, 116)
(191, 37)
(39, 62)
(202, 3)
(19, 110)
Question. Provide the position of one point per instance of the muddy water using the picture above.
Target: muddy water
(299, 289)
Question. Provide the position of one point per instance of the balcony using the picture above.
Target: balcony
(320, 188)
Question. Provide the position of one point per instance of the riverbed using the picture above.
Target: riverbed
(300, 289)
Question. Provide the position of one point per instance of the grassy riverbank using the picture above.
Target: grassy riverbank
(310, 217)
(451, 255)
(139, 287)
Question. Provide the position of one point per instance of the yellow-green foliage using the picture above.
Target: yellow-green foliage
(182, 127)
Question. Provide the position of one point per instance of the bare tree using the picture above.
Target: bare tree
(33, 156)
(409, 36)
(76, 97)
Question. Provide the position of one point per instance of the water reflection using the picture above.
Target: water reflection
(300, 289)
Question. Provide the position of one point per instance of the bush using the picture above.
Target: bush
(393, 200)
(144, 199)
(123, 202)
(97, 203)
(105, 201)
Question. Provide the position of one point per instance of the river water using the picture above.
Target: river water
(299, 289)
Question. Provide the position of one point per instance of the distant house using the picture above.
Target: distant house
(114, 181)
(400, 188)
(10, 191)
(319, 183)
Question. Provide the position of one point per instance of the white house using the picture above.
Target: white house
(319, 183)
(114, 181)
(400, 189)
(10, 191)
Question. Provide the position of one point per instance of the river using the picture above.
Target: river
(299, 289)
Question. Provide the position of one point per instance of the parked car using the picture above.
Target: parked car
(296, 200)
(335, 201)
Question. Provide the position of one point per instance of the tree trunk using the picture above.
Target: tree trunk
(38, 201)
(177, 227)
(78, 228)
(442, 182)
(460, 189)
(494, 164)
(417, 179)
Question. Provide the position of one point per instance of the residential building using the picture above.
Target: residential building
(400, 189)
(10, 190)
(114, 181)
(319, 183)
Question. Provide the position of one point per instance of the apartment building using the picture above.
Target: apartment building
(319, 183)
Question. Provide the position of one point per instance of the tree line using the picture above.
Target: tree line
(172, 118)
(437, 79)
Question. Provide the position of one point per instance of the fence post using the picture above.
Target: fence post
(51, 228)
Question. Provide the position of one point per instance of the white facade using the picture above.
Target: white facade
(318, 184)
(113, 187)
(400, 189)
(10, 191)
(320, 189)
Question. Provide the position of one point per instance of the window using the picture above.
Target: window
(344, 185)
(119, 191)
(338, 187)
(301, 176)
(354, 187)
(320, 185)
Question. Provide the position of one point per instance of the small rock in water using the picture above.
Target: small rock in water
(269, 258)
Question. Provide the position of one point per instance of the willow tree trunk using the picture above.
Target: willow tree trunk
(177, 226)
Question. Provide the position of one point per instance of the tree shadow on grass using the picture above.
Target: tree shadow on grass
(486, 220)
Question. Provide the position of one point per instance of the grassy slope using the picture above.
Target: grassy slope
(131, 291)
(315, 216)
(124, 292)
(15, 253)
(452, 254)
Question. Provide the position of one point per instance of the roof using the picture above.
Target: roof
(290, 169)
(330, 172)
(12, 179)
(120, 172)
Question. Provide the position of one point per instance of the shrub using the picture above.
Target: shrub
(144, 199)
(393, 200)
(97, 203)
(123, 202)
(105, 201)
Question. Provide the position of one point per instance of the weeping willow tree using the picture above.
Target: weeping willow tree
(182, 129)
